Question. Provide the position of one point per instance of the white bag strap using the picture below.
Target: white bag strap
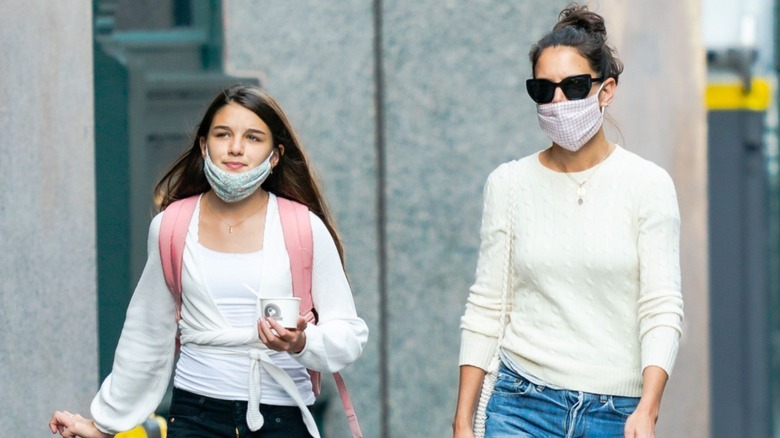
(492, 371)
(507, 287)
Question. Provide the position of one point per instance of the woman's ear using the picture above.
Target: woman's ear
(202, 142)
(607, 92)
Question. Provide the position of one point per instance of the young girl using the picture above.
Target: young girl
(584, 236)
(244, 156)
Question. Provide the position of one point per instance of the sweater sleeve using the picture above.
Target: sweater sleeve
(480, 322)
(340, 335)
(660, 305)
(144, 357)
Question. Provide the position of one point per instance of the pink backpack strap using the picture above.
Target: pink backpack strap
(173, 233)
(349, 410)
(296, 227)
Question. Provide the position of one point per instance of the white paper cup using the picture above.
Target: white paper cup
(284, 310)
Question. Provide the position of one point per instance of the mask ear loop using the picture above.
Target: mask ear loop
(273, 149)
(601, 107)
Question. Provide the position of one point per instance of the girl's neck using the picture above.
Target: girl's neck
(238, 208)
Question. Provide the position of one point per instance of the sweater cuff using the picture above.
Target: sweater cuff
(313, 350)
(659, 348)
(477, 349)
(102, 429)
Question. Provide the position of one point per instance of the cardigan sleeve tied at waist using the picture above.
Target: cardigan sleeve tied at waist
(220, 341)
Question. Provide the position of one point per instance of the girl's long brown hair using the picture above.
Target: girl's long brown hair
(292, 178)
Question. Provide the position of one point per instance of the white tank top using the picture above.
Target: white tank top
(226, 376)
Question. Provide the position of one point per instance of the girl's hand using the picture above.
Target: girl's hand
(278, 338)
(74, 426)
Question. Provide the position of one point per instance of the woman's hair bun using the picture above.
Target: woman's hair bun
(578, 16)
(585, 31)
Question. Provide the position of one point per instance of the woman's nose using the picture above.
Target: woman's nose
(558, 96)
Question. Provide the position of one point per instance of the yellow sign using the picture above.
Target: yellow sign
(731, 96)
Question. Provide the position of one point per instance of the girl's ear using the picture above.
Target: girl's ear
(278, 156)
(202, 142)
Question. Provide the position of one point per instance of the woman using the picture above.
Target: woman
(593, 303)
(245, 154)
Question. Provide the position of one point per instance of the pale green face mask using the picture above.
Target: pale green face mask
(233, 187)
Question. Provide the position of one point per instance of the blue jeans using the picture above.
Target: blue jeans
(520, 409)
(195, 416)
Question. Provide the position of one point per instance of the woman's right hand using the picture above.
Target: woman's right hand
(462, 432)
(74, 426)
(469, 390)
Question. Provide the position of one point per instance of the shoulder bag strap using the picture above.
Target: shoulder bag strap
(506, 291)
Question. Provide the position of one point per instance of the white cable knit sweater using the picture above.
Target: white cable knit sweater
(144, 358)
(596, 292)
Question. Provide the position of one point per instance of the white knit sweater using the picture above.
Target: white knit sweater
(144, 357)
(596, 287)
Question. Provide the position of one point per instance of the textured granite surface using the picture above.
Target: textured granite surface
(48, 346)
(456, 108)
(316, 58)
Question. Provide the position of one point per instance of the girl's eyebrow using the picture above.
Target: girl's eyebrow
(256, 131)
(227, 128)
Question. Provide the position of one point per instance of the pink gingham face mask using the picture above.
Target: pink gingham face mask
(571, 123)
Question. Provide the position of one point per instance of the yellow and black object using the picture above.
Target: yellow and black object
(740, 136)
(154, 427)
(733, 96)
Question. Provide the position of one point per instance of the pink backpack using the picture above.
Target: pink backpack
(296, 227)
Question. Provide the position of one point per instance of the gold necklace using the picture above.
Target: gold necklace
(230, 227)
(580, 188)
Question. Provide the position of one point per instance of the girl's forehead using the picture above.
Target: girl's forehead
(234, 113)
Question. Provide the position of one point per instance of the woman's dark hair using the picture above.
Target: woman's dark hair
(585, 31)
(292, 177)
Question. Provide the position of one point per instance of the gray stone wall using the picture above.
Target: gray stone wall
(454, 107)
(48, 346)
(316, 58)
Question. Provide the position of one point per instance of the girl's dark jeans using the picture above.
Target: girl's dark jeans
(197, 416)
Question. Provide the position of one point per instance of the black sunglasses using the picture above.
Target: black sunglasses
(574, 88)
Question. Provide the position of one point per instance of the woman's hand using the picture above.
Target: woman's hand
(74, 426)
(462, 432)
(469, 389)
(278, 338)
(641, 424)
